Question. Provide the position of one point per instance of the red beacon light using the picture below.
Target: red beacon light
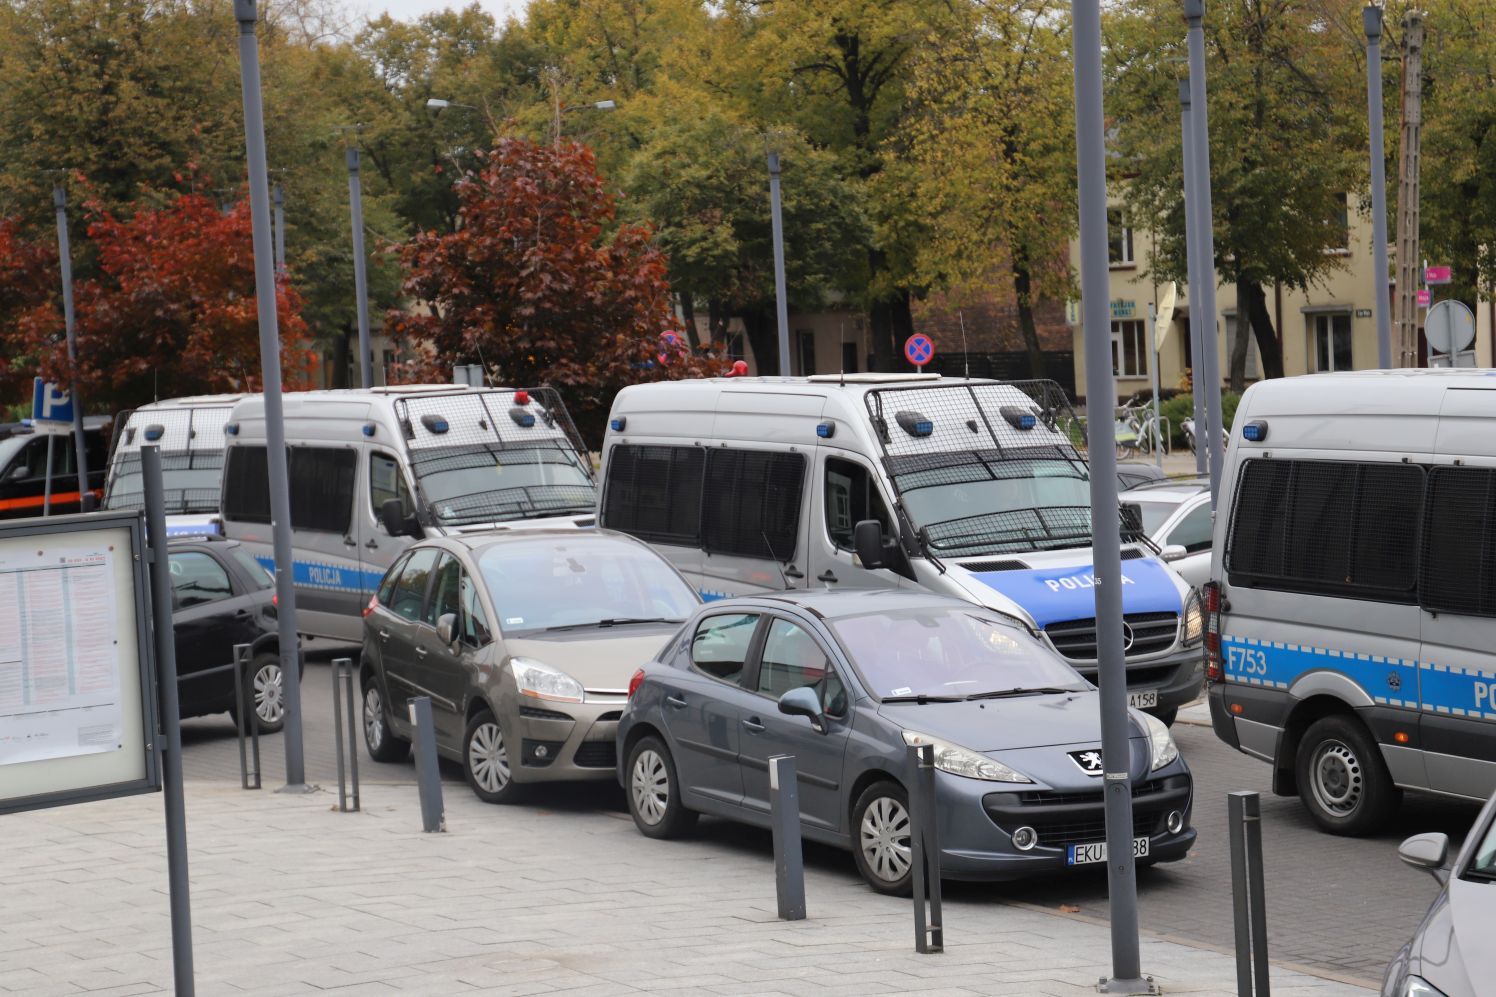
(522, 397)
(739, 369)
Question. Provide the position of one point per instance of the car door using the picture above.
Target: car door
(204, 629)
(400, 628)
(1191, 530)
(846, 492)
(792, 657)
(377, 550)
(704, 706)
(440, 669)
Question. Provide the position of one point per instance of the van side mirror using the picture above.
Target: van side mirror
(803, 702)
(1429, 852)
(867, 540)
(446, 629)
(1173, 552)
(396, 523)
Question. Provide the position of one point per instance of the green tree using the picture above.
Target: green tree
(1287, 141)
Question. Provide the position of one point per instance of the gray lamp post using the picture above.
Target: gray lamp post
(65, 258)
(1371, 19)
(1194, 15)
(781, 303)
(360, 269)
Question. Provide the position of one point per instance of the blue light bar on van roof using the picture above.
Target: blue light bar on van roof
(370, 429)
(618, 424)
(435, 423)
(231, 429)
(826, 430)
(1019, 418)
(154, 432)
(914, 423)
(521, 417)
(1255, 431)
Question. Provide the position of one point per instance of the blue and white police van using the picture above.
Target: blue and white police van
(1351, 612)
(970, 488)
(189, 432)
(373, 470)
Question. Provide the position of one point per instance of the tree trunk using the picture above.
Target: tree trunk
(880, 335)
(1238, 379)
(1023, 282)
(716, 324)
(688, 311)
(763, 337)
(1269, 347)
(341, 354)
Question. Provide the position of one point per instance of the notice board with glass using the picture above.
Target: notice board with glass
(77, 666)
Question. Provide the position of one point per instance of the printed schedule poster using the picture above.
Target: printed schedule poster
(60, 691)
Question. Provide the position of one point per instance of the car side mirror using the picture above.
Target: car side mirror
(803, 702)
(1429, 852)
(396, 522)
(446, 628)
(867, 540)
(1173, 552)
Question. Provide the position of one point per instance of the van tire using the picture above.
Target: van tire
(1343, 781)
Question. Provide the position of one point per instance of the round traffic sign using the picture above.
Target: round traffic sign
(1449, 326)
(919, 349)
(672, 341)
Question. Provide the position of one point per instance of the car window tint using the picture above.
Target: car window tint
(444, 590)
(751, 503)
(386, 594)
(475, 629)
(321, 486)
(791, 659)
(654, 492)
(246, 485)
(410, 592)
(387, 481)
(1193, 531)
(720, 645)
(196, 578)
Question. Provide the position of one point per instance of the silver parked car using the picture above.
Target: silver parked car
(1451, 954)
(846, 682)
(524, 640)
(1176, 517)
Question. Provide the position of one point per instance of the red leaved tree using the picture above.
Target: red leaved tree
(173, 310)
(531, 285)
(29, 282)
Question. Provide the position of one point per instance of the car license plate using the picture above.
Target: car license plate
(1143, 699)
(1093, 853)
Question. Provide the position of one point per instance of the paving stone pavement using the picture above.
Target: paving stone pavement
(291, 897)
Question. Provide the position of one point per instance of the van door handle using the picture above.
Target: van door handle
(349, 542)
(371, 544)
(793, 572)
(678, 702)
(753, 725)
(826, 576)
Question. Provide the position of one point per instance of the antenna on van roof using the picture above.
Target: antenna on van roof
(778, 565)
(841, 332)
(965, 356)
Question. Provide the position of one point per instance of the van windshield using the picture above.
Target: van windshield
(981, 502)
(489, 483)
(191, 481)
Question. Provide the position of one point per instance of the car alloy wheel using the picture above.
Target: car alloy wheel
(1336, 778)
(269, 692)
(885, 841)
(488, 760)
(373, 719)
(650, 784)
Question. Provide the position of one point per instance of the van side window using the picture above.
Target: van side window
(1337, 527)
(321, 488)
(387, 481)
(654, 493)
(1459, 553)
(751, 503)
(246, 485)
(851, 496)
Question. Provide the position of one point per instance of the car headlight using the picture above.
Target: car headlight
(1194, 619)
(962, 761)
(1417, 986)
(1161, 747)
(544, 682)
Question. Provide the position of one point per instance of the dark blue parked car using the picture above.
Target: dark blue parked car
(845, 682)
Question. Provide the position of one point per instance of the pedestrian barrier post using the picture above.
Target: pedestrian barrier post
(924, 842)
(789, 864)
(248, 721)
(342, 688)
(428, 774)
(1244, 814)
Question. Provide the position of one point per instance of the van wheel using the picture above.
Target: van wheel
(1342, 779)
(883, 842)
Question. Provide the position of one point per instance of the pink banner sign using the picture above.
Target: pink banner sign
(1436, 275)
(1424, 297)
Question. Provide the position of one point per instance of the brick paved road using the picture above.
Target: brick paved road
(1337, 905)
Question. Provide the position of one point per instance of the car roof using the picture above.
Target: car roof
(480, 541)
(832, 604)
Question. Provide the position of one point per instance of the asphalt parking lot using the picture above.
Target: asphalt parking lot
(1362, 905)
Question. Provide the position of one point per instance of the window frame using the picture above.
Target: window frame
(1328, 320)
(1117, 220)
(228, 577)
(875, 490)
(298, 455)
(420, 618)
(833, 667)
(1120, 329)
(402, 486)
(750, 655)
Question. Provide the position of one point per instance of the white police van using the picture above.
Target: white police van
(1352, 609)
(968, 488)
(189, 432)
(371, 470)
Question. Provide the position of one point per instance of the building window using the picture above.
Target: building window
(1343, 224)
(805, 341)
(1129, 349)
(1118, 238)
(1332, 342)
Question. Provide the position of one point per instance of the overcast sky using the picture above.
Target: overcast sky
(409, 10)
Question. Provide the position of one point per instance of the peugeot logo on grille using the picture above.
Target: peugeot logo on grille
(1127, 636)
(1089, 761)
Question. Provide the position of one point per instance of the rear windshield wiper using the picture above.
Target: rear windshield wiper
(615, 621)
(922, 698)
(1047, 690)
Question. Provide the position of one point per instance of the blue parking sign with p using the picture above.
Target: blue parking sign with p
(49, 403)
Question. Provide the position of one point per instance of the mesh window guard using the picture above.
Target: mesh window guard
(1459, 548)
(751, 503)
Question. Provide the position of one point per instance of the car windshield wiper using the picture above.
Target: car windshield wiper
(615, 621)
(922, 698)
(1045, 690)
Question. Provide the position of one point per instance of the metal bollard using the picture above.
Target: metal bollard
(428, 774)
(342, 685)
(1244, 814)
(248, 721)
(789, 864)
(924, 843)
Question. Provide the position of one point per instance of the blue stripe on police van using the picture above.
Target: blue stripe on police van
(328, 577)
(1434, 687)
